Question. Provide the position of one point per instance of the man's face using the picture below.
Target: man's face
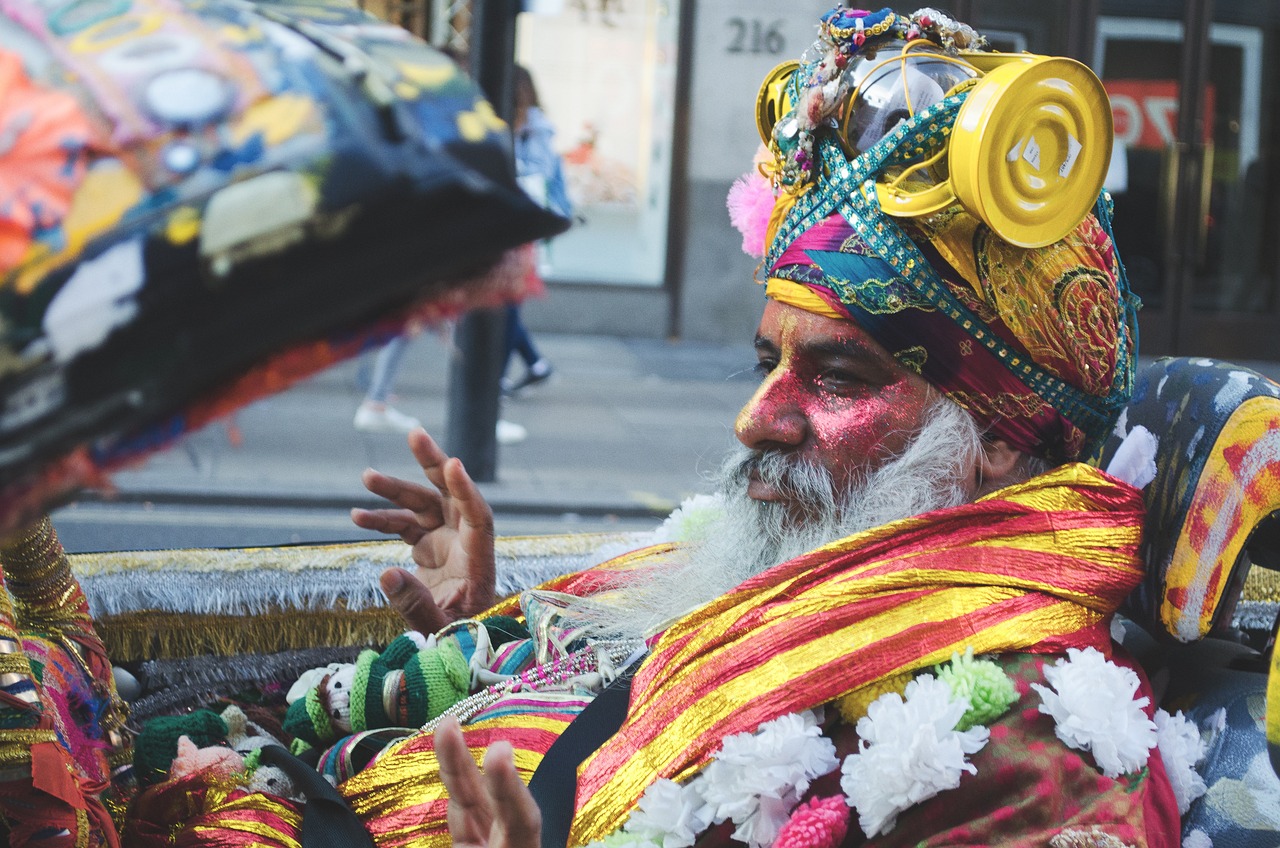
(830, 396)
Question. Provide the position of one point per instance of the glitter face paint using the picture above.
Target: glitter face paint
(830, 395)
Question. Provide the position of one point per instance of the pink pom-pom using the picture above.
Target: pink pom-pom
(818, 823)
(750, 203)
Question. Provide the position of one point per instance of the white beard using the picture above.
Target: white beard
(933, 472)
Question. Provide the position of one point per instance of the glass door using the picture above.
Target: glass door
(1140, 61)
(1230, 304)
(1194, 175)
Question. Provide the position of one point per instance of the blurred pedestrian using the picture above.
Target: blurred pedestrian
(541, 174)
(375, 414)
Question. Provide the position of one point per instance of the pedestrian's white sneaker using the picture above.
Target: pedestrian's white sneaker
(509, 432)
(387, 419)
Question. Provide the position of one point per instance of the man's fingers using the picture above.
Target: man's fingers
(470, 813)
(400, 522)
(469, 504)
(412, 599)
(475, 536)
(517, 820)
(406, 495)
(430, 457)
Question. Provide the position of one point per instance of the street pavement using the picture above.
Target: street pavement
(624, 430)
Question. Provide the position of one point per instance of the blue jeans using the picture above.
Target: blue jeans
(385, 368)
(518, 339)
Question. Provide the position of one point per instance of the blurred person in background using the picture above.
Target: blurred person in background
(540, 172)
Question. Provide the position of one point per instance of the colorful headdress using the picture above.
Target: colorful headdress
(947, 200)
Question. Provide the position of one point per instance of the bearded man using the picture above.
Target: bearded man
(899, 630)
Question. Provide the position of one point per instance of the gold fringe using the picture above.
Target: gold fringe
(153, 634)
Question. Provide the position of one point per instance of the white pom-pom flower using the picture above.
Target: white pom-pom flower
(756, 779)
(669, 814)
(1094, 710)
(1197, 838)
(622, 839)
(1182, 749)
(909, 751)
(689, 521)
(1135, 460)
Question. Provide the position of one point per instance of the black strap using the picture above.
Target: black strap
(327, 821)
(556, 780)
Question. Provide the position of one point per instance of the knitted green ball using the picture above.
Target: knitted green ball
(448, 678)
(399, 652)
(157, 744)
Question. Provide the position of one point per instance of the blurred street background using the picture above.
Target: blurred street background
(624, 430)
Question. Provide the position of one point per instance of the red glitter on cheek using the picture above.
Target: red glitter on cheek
(851, 435)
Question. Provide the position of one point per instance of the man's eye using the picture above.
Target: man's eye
(836, 380)
(764, 367)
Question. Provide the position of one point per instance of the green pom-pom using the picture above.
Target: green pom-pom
(252, 760)
(157, 744)
(360, 690)
(306, 719)
(504, 628)
(989, 691)
(398, 652)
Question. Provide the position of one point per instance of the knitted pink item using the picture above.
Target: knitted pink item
(817, 823)
(215, 760)
(750, 203)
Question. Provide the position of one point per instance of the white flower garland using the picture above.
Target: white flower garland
(669, 814)
(755, 780)
(1182, 749)
(909, 751)
(689, 521)
(1094, 710)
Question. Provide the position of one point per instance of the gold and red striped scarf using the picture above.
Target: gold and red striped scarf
(1035, 567)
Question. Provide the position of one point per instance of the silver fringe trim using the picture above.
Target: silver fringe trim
(247, 581)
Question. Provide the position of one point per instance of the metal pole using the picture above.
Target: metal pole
(480, 337)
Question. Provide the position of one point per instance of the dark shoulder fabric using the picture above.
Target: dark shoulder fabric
(556, 781)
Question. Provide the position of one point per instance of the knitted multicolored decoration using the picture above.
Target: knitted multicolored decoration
(404, 686)
(157, 744)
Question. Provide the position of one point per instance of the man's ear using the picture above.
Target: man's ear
(998, 466)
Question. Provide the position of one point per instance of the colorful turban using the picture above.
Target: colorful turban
(1038, 344)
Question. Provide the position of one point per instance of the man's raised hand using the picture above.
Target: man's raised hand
(450, 528)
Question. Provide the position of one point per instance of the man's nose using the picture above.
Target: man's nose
(772, 419)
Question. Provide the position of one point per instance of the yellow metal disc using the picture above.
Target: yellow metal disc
(774, 99)
(1030, 149)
